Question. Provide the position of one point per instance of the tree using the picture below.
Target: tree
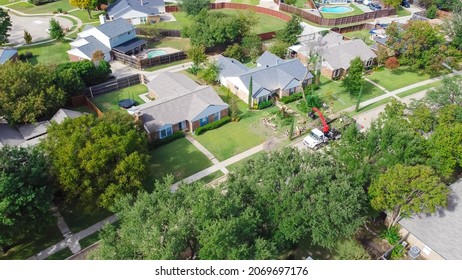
(250, 99)
(197, 55)
(350, 250)
(291, 31)
(90, 73)
(5, 26)
(353, 81)
(97, 161)
(27, 37)
(449, 92)
(26, 193)
(279, 48)
(234, 108)
(452, 26)
(392, 63)
(56, 30)
(382, 55)
(210, 72)
(97, 56)
(392, 3)
(432, 12)
(193, 7)
(69, 80)
(28, 92)
(252, 45)
(83, 4)
(235, 51)
(405, 190)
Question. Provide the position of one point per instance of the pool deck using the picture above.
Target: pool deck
(167, 50)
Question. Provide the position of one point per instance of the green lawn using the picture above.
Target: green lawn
(182, 19)
(417, 89)
(248, 2)
(401, 77)
(265, 23)
(109, 101)
(362, 34)
(209, 178)
(89, 240)
(179, 158)
(49, 53)
(155, 68)
(83, 15)
(236, 166)
(356, 11)
(45, 8)
(371, 106)
(77, 219)
(182, 44)
(401, 12)
(61, 255)
(6, 2)
(341, 98)
(34, 243)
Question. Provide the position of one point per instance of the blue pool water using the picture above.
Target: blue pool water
(155, 53)
(336, 9)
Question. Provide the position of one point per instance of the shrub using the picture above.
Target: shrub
(22, 57)
(28, 54)
(265, 104)
(60, 10)
(65, 12)
(432, 12)
(166, 140)
(391, 235)
(291, 98)
(397, 252)
(213, 125)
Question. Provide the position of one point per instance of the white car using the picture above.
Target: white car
(315, 139)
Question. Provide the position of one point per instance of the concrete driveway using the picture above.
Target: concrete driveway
(35, 25)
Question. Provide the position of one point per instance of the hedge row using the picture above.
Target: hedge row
(212, 125)
(265, 104)
(166, 140)
(291, 98)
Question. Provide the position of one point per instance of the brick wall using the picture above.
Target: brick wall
(224, 113)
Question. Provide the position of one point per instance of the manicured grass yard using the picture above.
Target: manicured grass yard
(77, 219)
(401, 77)
(182, 44)
(362, 34)
(6, 2)
(49, 53)
(179, 158)
(215, 175)
(182, 19)
(248, 2)
(342, 99)
(356, 11)
(83, 15)
(34, 243)
(401, 12)
(109, 101)
(45, 8)
(417, 89)
(89, 240)
(265, 23)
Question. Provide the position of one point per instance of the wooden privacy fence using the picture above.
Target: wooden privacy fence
(82, 100)
(336, 21)
(352, 28)
(162, 32)
(114, 84)
(143, 63)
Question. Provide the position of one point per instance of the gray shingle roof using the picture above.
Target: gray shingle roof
(340, 55)
(268, 59)
(29, 131)
(115, 28)
(121, 7)
(92, 46)
(170, 85)
(231, 67)
(6, 54)
(160, 112)
(441, 231)
(65, 113)
(10, 135)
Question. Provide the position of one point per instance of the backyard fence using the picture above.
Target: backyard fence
(144, 31)
(336, 21)
(353, 28)
(82, 100)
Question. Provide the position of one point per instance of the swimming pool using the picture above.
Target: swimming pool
(336, 9)
(155, 53)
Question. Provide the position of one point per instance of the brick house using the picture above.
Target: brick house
(180, 104)
(137, 11)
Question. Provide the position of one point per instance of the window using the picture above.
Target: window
(336, 73)
(292, 90)
(262, 99)
(216, 116)
(165, 132)
(369, 63)
(204, 121)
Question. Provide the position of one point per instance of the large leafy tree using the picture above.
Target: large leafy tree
(449, 92)
(354, 80)
(405, 190)
(84, 4)
(91, 73)
(28, 92)
(96, 160)
(453, 28)
(291, 31)
(56, 30)
(25, 193)
(5, 26)
(193, 7)
(392, 3)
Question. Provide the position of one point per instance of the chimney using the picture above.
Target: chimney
(102, 19)
(142, 2)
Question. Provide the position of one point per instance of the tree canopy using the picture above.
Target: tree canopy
(5, 26)
(193, 7)
(28, 92)
(91, 73)
(25, 192)
(449, 92)
(354, 80)
(405, 190)
(97, 160)
(83, 4)
(291, 31)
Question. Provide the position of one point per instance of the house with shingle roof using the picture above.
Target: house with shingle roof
(180, 105)
(137, 11)
(438, 235)
(117, 35)
(273, 76)
(337, 54)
